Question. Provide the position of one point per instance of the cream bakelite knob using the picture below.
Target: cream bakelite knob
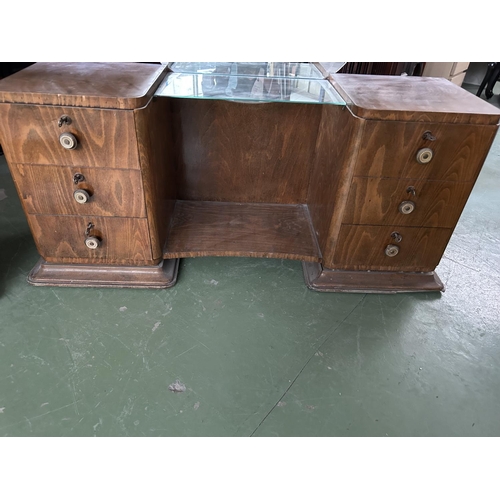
(92, 242)
(68, 140)
(81, 196)
(391, 250)
(424, 155)
(406, 207)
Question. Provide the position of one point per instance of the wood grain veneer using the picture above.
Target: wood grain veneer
(48, 189)
(87, 85)
(244, 152)
(62, 239)
(389, 149)
(106, 138)
(156, 155)
(331, 173)
(362, 248)
(413, 98)
(375, 201)
(241, 229)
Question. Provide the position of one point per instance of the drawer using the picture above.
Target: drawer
(62, 239)
(405, 202)
(105, 138)
(49, 189)
(389, 149)
(364, 248)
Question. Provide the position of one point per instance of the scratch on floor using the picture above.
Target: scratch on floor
(74, 397)
(271, 374)
(182, 353)
(460, 264)
(29, 422)
(358, 347)
(292, 382)
(39, 416)
(118, 340)
(382, 313)
(98, 423)
(126, 412)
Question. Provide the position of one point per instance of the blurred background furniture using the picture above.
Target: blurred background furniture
(489, 80)
(452, 71)
(383, 68)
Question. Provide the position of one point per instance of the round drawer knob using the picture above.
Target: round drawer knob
(424, 155)
(406, 207)
(92, 242)
(81, 196)
(391, 250)
(68, 141)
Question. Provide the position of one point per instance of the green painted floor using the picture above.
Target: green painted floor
(258, 353)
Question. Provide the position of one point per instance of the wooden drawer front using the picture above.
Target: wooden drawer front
(62, 239)
(389, 149)
(106, 138)
(49, 190)
(363, 248)
(377, 201)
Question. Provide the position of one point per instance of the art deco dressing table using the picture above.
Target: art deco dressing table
(123, 169)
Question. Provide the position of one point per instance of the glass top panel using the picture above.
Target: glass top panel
(248, 88)
(271, 69)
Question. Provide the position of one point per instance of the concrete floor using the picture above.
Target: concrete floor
(258, 353)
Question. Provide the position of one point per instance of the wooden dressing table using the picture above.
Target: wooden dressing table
(123, 169)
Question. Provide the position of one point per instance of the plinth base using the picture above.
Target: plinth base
(321, 279)
(164, 275)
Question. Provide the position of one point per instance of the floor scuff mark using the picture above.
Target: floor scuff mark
(211, 282)
(177, 386)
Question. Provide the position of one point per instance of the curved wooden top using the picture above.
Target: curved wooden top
(412, 98)
(89, 85)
